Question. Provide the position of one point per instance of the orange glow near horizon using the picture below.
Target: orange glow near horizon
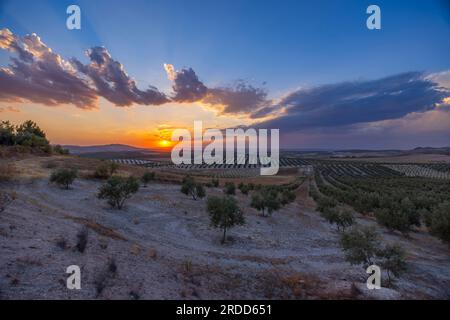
(164, 143)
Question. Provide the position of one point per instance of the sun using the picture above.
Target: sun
(164, 143)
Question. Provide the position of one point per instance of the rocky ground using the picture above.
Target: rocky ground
(160, 246)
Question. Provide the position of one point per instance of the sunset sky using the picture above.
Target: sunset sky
(139, 69)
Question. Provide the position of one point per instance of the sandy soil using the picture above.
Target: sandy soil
(164, 248)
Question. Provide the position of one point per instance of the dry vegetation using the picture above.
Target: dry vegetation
(161, 245)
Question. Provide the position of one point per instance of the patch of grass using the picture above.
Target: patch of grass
(103, 277)
(82, 239)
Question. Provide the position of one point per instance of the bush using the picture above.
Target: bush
(29, 134)
(59, 150)
(7, 133)
(393, 219)
(392, 261)
(266, 199)
(440, 222)
(117, 189)
(82, 238)
(215, 182)
(287, 196)
(147, 177)
(244, 188)
(230, 188)
(224, 213)
(341, 216)
(360, 245)
(192, 188)
(63, 177)
(106, 170)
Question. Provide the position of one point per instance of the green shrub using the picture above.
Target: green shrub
(7, 133)
(440, 222)
(215, 182)
(266, 199)
(105, 170)
(59, 150)
(287, 196)
(392, 260)
(243, 188)
(147, 177)
(230, 188)
(360, 245)
(118, 189)
(393, 219)
(190, 187)
(224, 213)
(28, 134)
(63, 177)
(341, 216)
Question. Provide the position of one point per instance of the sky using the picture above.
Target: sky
(136, 70)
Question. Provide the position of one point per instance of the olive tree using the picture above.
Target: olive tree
(190, 187)
(266, 199)
(360, 245)
(63, 177)
(117, 190)
(224, 213)
(392, 260)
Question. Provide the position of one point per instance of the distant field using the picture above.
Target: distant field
(413, 158)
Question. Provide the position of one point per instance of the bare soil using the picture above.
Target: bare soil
(164, 248)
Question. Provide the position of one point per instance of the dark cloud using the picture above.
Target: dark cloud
(237, 99)
(186, 85)
(242, 98)
(113, 83)
(41, 76)
(356, 102)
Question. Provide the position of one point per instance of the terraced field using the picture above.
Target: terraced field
(426, 171)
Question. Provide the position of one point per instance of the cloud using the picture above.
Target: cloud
(40, 75)
(186, 85)
(441, 78)
(37, 74)
(241, 98)
(349, 103)
(9, 109)
(113, 83)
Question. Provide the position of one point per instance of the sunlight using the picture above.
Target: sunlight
(165, 143)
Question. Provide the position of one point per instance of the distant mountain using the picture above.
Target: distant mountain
(428, 150)
(106, 148)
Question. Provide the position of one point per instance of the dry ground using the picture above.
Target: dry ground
(164, 248)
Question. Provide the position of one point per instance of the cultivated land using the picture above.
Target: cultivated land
(163, 247)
